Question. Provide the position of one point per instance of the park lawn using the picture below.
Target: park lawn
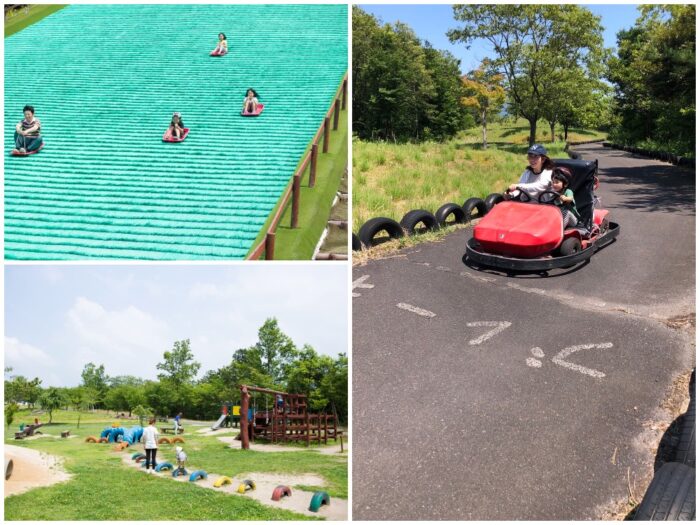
(103, 488)
(315, 203)
(16, 23)
(391, 179)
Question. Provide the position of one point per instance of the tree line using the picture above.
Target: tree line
(273, 362)
(654, 78)
(548, 64)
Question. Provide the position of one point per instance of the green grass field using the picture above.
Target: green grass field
(315, 203)
(392, 179)
(21, 19)
(103, 488)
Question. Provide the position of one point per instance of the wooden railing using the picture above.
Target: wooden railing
(293, 190)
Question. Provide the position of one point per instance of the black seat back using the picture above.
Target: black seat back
(584, 172)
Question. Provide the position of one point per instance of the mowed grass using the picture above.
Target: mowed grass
(21, 19)
(314, 203)
(392, 179)
(103, 488)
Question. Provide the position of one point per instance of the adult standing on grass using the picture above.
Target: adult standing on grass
(150, 443)
(27, 132)
(538, 175)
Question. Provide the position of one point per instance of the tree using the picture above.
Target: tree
(179, 366)
(403, 89)
(654, 78)
(484, 94)
(142, 412)
(52, 399)
(95, 378)
(532, 42)
(10, 411)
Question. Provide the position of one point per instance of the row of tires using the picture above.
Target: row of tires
(671, 494)
(124, 444)
(658, 155)
(446, 215)
(318, 499)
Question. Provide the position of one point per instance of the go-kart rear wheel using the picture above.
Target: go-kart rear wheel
(570, 246)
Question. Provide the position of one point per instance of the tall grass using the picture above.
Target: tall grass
(392, 179)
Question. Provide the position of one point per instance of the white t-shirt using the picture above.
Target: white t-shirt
(533, 184)
(181, 456)
(150, 437)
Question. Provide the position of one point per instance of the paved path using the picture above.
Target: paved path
(479, 396)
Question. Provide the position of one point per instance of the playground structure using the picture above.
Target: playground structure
(28, 430)
(230, 416)
(281, 424)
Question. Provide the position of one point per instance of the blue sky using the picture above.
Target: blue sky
(431, 22)
(59, 317)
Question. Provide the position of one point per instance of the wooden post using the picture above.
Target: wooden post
(245, 396)
(269, 246)
(341, 444)
(336, 114)
(326, 134)
(296, 194)
(345, 93)
(325, 429)
(312, 169)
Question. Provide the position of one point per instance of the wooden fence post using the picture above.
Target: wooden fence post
(326, 134)
(336, 114)
(269, 246)
(345, 93)
(312, 168)
(296, 193)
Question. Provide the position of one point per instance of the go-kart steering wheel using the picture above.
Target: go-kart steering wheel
(522, 196)
(548, 192)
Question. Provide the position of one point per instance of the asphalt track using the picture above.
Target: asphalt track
(542, 418)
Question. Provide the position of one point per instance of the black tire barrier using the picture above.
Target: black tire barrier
(659, 155)
(474, 204)
(492, 200)
(356, 244)
(415, 217)
(685, 451)
(670, 496)
(373, 226)
(451, 208)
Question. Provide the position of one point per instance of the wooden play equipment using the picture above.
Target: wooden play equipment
(28, 431)
(283, 423)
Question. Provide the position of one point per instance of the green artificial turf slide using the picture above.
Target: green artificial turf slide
(105, 80)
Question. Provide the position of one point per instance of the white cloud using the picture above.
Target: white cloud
(127, 341)
(29, 361)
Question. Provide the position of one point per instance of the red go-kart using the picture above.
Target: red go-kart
(527, 235)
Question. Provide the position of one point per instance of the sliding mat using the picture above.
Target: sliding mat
(105, 80)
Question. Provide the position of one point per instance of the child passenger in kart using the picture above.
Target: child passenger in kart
(565, 201)
(538, 174)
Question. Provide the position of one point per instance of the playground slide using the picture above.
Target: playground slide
(217, 425)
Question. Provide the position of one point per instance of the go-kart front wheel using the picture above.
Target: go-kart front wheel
(570, 246)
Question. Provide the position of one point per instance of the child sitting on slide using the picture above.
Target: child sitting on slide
(221, 46)
(250, 102)
(176, 128)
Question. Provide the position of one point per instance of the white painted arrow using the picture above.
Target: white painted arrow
(499, 327)
(559, 359)
(360, 283)
(416, 310)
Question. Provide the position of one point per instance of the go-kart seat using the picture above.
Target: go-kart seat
(584, 172)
